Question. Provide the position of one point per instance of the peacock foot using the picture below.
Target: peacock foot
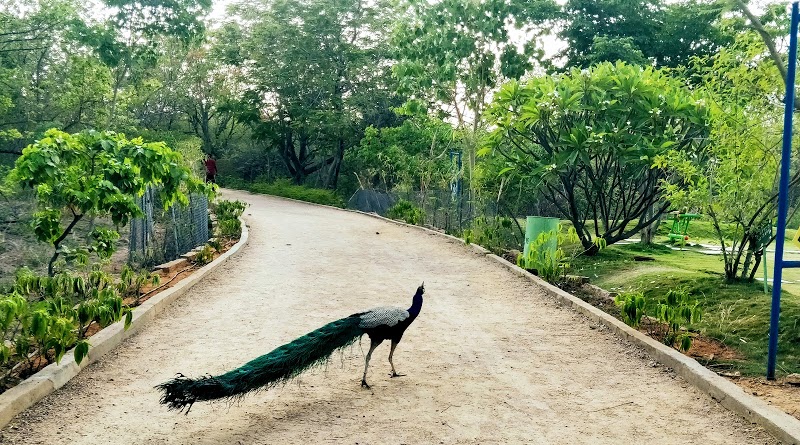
(394, 374)
(364, 384)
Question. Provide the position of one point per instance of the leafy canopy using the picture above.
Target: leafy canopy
(96, 173)
(587, 139)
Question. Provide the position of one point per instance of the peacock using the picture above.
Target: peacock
(290, 360)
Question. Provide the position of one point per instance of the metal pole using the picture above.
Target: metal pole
(783, 191)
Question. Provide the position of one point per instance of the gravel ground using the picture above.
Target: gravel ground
(491, 359)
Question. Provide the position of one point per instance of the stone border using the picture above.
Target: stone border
(778, 423)
(54, 376)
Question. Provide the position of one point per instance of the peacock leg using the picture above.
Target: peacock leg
(372, 345)
(391, 353)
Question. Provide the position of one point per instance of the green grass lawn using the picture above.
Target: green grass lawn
(735, 313)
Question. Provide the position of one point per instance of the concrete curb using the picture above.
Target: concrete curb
(781, 425)
(54, 376)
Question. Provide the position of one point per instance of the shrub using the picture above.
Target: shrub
(228, 213)
(285, 188)
(406, 211)
(494, 234)
(229, 228)
(131, 282)
(632, 306)
(229, 209)
(52, 314)
(551, 266)
(205, 255)
(676, 309)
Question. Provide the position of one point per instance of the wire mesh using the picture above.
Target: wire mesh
(164, 234)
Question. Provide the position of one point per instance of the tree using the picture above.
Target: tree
(734, 181)
(414, 155)
(452, 54)
(314, 66)
(212, 99)
(666, 34)
(128, 42)
(32, 34)
(587, 139)
(97, 174)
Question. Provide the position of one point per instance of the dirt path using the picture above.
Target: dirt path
(489, 360)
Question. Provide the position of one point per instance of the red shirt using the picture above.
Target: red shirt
(211, 166)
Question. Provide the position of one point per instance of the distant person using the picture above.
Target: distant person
(211, 169)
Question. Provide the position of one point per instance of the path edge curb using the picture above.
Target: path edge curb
(778, 423)
(54, 376)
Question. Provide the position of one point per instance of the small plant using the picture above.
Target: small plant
(229, 228)
(215, 244)
(49, 315)
(551, 265)
(229, 209)
(406, 211)
(205, 255)
(131, 282)
(632, 306)
(228, 213)
(494, 234)
(675, 310)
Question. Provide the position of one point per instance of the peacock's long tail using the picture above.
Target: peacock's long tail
(280, 365)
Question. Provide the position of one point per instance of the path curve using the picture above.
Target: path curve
(491, 359)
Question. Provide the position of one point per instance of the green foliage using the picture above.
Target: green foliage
(413, 156)
(229, 228)
(406, 211)
(587, 140)
(675, 310)
(93, 174)
(205, 255)
(131, 282)
(632, 306)
(228, 224)
(546, 254)
(449, 59)
(733, 179)
(225, 209)
(495, 234)
(642, 31)
(53, 314)
(286, 189)
(215, 244)
(331, 82)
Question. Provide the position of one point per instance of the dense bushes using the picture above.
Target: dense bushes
(285, 188)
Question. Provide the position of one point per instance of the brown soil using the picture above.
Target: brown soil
(491, 359)
(778, 393)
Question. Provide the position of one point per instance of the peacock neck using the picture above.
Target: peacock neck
(416, 305)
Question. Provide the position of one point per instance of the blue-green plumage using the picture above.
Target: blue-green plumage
(290, 360)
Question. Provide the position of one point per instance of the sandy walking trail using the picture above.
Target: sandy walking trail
(490, 360)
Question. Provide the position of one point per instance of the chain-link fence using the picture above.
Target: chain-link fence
(163, 235)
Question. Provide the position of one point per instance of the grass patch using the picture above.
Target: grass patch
(737, 314)
(284, 188)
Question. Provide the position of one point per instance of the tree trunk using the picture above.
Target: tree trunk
(754, 270)
(57, 243)
(649, 231)
(333, 178)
